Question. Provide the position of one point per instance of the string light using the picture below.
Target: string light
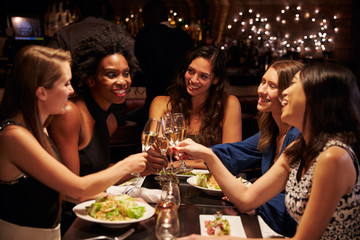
(279, 35)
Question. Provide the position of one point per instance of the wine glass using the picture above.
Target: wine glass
(163, 145)
(148, 137)
(170, 192)
(180, 126)
(167, 225)
(149, 134)
(172, 136)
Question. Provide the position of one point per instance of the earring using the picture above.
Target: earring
(90, 82)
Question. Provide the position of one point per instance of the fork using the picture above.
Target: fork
(121, 237)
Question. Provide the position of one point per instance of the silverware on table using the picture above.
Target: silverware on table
(121, 237)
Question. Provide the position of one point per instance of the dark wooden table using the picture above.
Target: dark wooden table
(193, 203)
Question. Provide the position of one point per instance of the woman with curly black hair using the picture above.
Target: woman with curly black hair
(199, 92)
(102, 67)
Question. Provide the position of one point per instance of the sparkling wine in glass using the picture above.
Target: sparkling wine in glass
(167, 225)
(180, 126)
(172, 136)
(149, 134)
(148, 137)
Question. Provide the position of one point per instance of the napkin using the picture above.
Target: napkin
(266, 231)
(149, 195)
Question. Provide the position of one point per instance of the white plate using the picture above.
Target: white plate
(236, 226)
(80, 211)
(214, 192)
(194, 171)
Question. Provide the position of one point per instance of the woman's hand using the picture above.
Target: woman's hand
(155, 161)
(188, 149)
(136, 163)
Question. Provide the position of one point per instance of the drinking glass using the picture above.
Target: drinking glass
(170, 192)
(148, 137)
(163, 145)
(149, 134)
(167, 225)
(180, 126)
(172, 136)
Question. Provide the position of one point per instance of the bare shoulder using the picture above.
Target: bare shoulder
(14, 135)
(70, 120)
(160, 100)
(159, 106)
(334, 155)
(232, 101)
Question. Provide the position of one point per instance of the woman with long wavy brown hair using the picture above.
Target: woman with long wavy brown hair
(199, 92)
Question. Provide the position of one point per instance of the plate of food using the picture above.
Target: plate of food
(207, 183)
(221, 225)
(114, 211)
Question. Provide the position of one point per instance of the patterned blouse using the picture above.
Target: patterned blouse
(345, 223)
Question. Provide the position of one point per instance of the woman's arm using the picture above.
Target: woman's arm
(334, 176)
(26, 154)
(245, 199)
(232, 127)
(64, 131)
(158, 107)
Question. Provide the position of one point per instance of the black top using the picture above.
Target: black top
(96, 155)
(27, 202)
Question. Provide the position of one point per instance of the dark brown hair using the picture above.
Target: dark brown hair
(332, 110)
(212, 113)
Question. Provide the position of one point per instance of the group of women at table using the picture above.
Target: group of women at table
(53, 146)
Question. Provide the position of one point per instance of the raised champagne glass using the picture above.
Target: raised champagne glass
(181, 129)
(172, 136)
(148, 137)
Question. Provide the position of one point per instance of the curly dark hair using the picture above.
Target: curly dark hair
(212, 113)
(103, 42)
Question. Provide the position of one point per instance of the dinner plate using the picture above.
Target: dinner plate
(194, 172)
(214, 192)
(80, 211)
(236, 226)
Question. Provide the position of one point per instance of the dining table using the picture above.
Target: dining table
(194, 202)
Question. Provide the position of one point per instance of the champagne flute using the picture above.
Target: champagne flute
(180, 125)
(149, 134)
(163, 145)
(172, 136)
(148, 137)
(167, 225)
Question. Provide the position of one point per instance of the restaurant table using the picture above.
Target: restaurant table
(193, 203)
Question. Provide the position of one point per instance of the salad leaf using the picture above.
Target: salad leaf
(136, 212)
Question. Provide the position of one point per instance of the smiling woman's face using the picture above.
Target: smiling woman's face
(268, 92)
(199, 77)
(112, 81)
(294, 103)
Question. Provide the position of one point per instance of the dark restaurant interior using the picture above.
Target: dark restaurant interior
(252, 34)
